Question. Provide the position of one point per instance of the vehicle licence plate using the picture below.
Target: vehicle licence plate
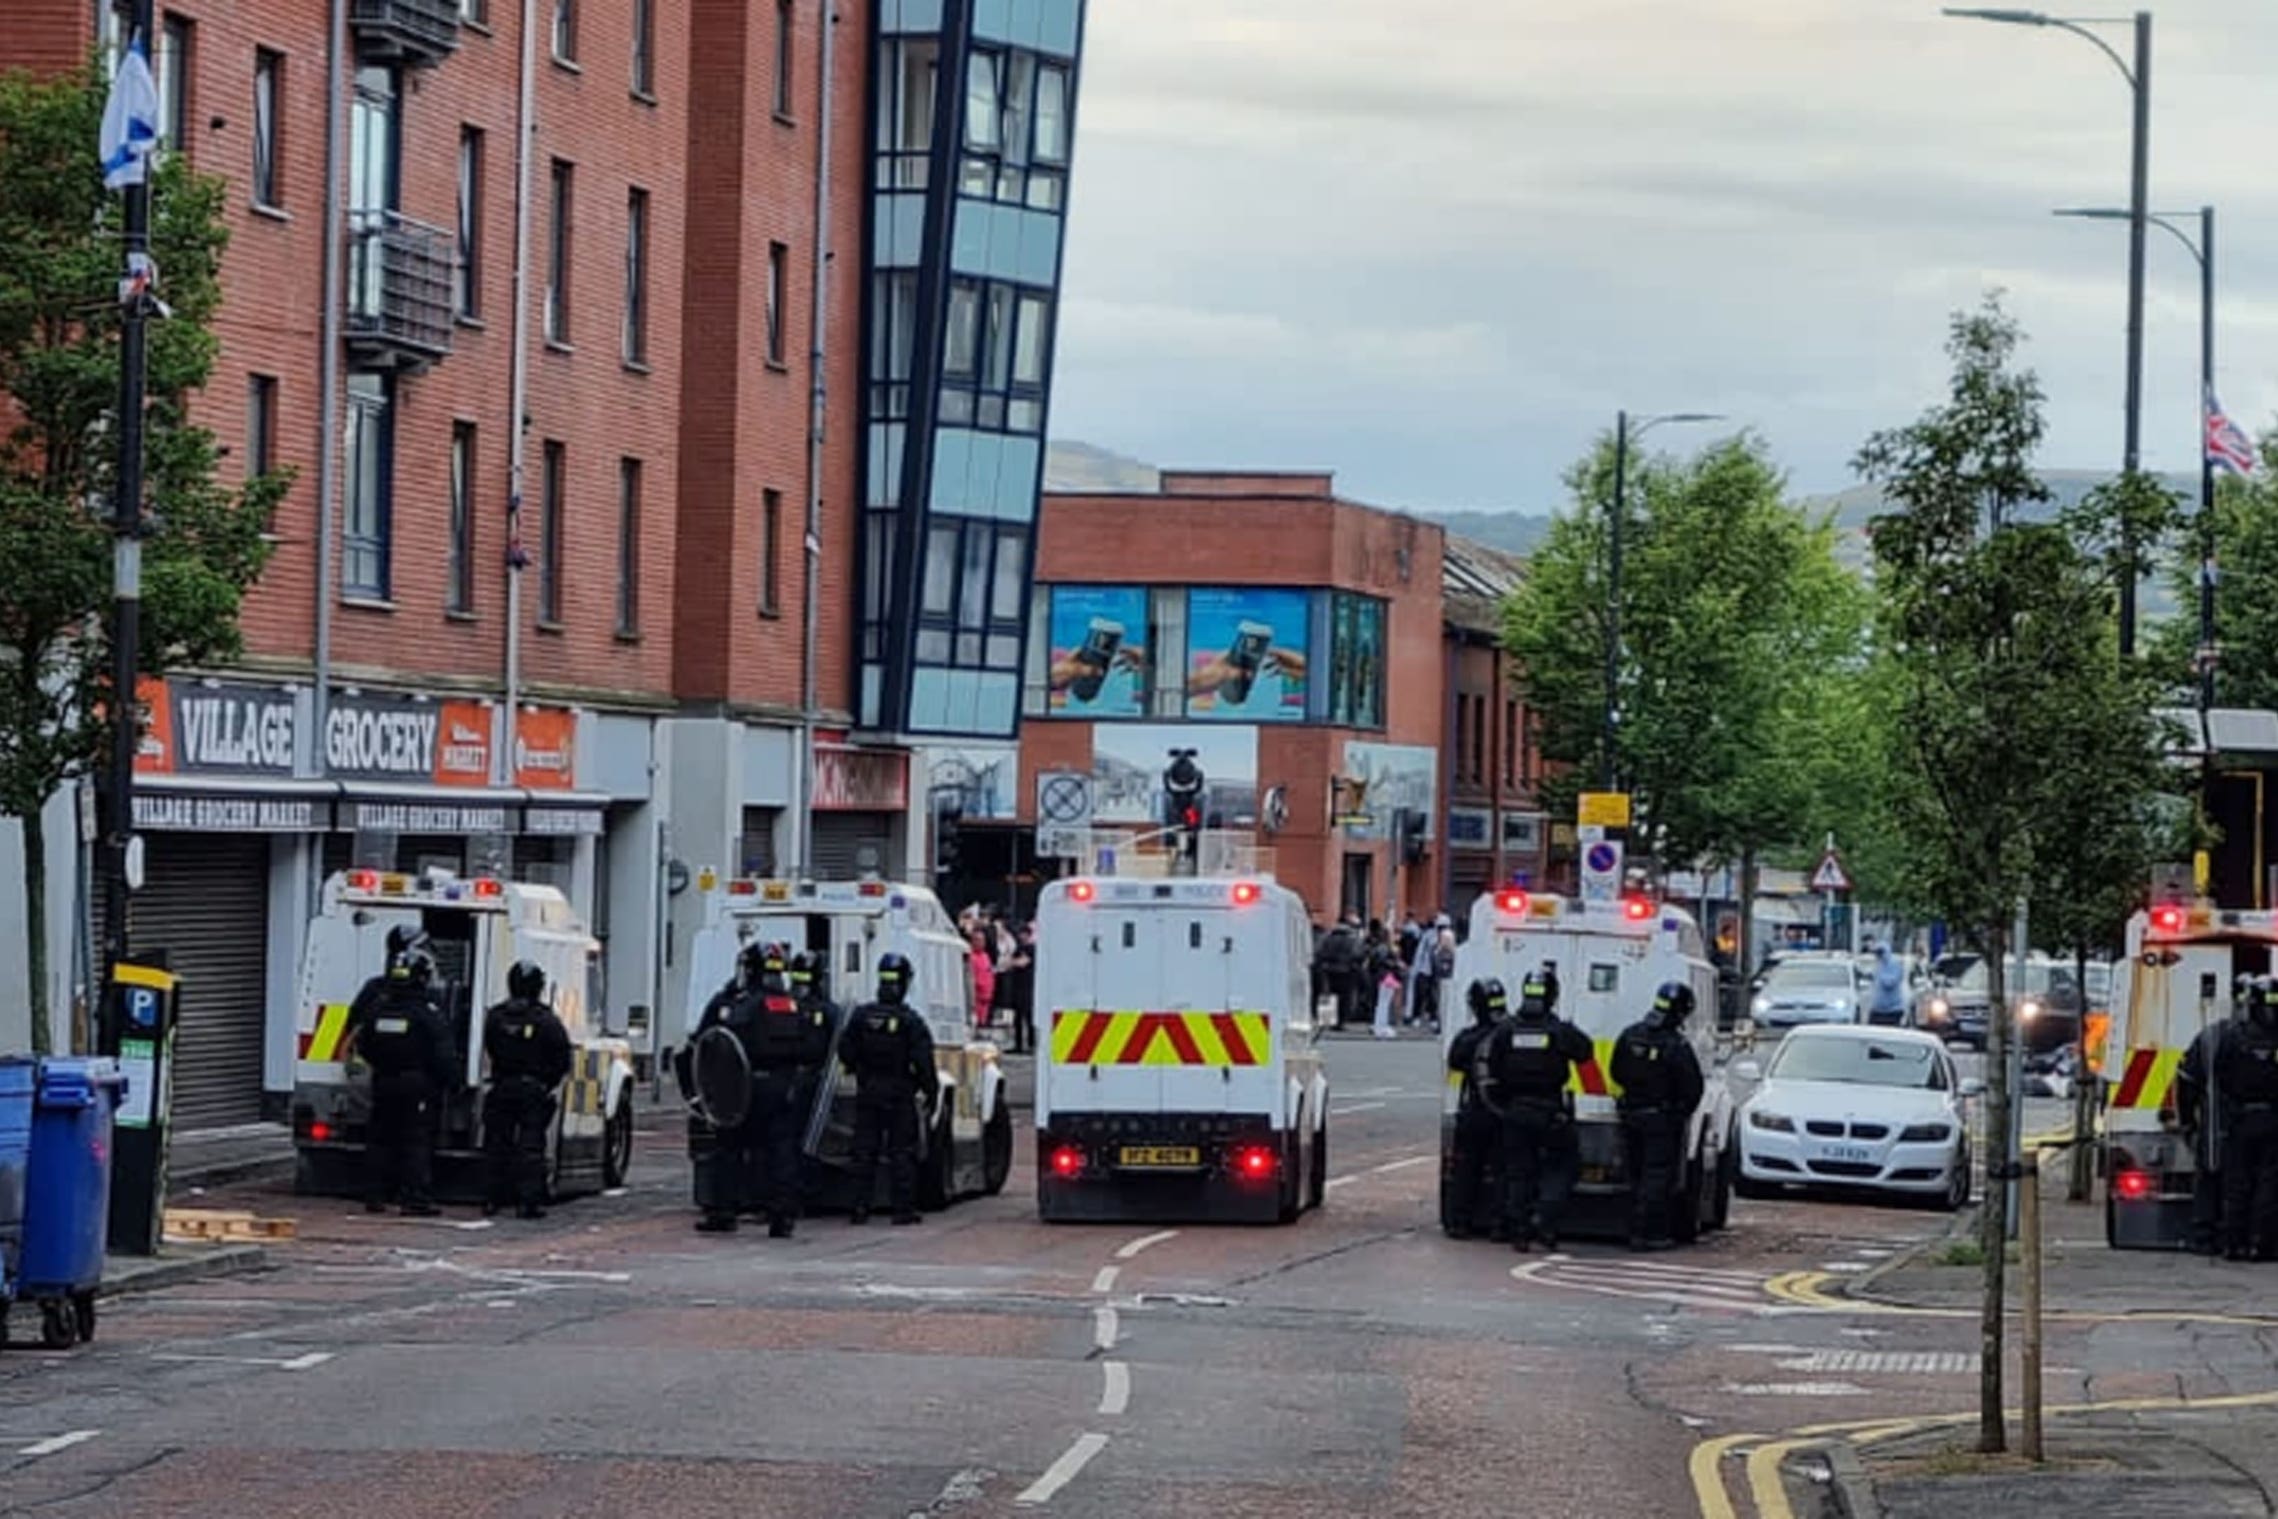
(1158, 1157)
(1845, 1152)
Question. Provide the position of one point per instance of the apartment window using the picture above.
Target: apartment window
(553, 484)
(970, 594)
(268, 90)
(171, 73)
(906, 81)
(1479, 739)
(771, 553)
(466, 272)
(644, 48)
(565, 31)
(1510, 743)
(459, 592)
(778, 267)
(260, 425)
(1016, 130)
(475, 12)
(783, 58)
(637, 277)
(628, 548)
(369, 471)
(558, 255)
(993, 356)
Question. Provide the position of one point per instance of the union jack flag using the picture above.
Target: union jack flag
(2227, 446)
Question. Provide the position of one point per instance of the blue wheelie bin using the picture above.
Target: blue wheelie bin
(67, 1204)
(18, 1077)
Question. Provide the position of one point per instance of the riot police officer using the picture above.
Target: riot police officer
(2199, 1114)
(396, 1026)
(889, 1052)
(2246, 1078)
(720, 1160)
(1660, 1081)
(1530, 1058)
(529, 1052)
(787, 1042)
(1478, 1111)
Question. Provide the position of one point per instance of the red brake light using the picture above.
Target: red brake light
(2134, 1186)
(743, 888)
(1637, 909)
(1512, 902)
(363, 880)
(1067, 1161)
(2167, 920)
(1082, 891)
(1254, 1163)
(1245, 892)
(320, 1132)
(486, 887)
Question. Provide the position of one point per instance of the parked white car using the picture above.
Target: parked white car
(1849, 1106)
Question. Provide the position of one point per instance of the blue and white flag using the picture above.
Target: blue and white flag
(130, 119)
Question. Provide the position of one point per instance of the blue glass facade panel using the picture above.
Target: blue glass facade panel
(895, 16)
(898, 230)
(1006, 243)
(980, 474)
(1060, 26)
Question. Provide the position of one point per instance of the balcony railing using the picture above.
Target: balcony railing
(399, 290)
(413, 32)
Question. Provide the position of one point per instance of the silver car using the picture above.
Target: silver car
(1800, 991)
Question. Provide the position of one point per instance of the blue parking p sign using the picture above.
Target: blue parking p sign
(142, 1007)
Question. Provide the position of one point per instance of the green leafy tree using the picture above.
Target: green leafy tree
(59, 377)
(1732, 606)
(2246, 594)
(2012, 725)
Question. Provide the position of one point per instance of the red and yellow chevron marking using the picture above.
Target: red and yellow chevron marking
(1590, 1079)
(1093, 1037)
(322, 1043)
(2148, 1079)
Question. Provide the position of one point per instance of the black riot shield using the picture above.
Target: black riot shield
(723, 1078)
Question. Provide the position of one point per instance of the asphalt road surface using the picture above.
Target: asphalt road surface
(609, 1360)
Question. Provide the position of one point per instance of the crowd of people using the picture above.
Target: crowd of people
(1002, 957)
(1391, 979)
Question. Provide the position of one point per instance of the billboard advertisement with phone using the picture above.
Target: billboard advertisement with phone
(1099, 651)
(1247, 653)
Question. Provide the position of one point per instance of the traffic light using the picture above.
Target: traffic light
(1183, 786)
(945, 853)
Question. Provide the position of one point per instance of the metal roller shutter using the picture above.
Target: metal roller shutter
(841, 838)
(205, 901)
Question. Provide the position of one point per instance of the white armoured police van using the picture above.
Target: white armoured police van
(478, 930)
(2178, 978)
(1610, 957)
(966, 1137)
(1177, 1077)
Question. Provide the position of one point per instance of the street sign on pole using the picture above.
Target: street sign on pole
(1831, 876)
(1601, 870)
(1602, 809)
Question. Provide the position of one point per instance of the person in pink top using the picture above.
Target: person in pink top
(984, 962)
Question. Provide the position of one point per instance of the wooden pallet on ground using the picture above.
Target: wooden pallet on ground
(216, 1224)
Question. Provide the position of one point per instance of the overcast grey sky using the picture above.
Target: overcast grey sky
(1434, 244)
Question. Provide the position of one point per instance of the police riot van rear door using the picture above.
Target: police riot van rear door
(2186, 986)
(340, 957)
(1097, 1044)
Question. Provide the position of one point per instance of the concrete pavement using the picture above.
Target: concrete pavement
(608, 1359)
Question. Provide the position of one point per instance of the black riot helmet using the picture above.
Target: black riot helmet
(751, 964)
(416, 964)
(775, 969)
(2262, 1004)
(1538, 997)
(894, 974)
(404, 938)
(1488, 1000)
(525, 982)
(1672, 1005)
(803, 972)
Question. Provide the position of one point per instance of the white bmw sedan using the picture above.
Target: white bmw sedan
(1846, 1106)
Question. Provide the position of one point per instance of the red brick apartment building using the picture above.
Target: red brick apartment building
(1291, 637)
(573, 254)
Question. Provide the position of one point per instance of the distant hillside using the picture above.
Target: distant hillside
(1519, 533)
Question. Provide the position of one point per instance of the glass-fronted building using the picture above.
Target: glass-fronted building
(971, 143)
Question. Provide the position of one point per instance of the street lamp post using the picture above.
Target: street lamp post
(2139, 85)
(2202, 250)
(1624, 430)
